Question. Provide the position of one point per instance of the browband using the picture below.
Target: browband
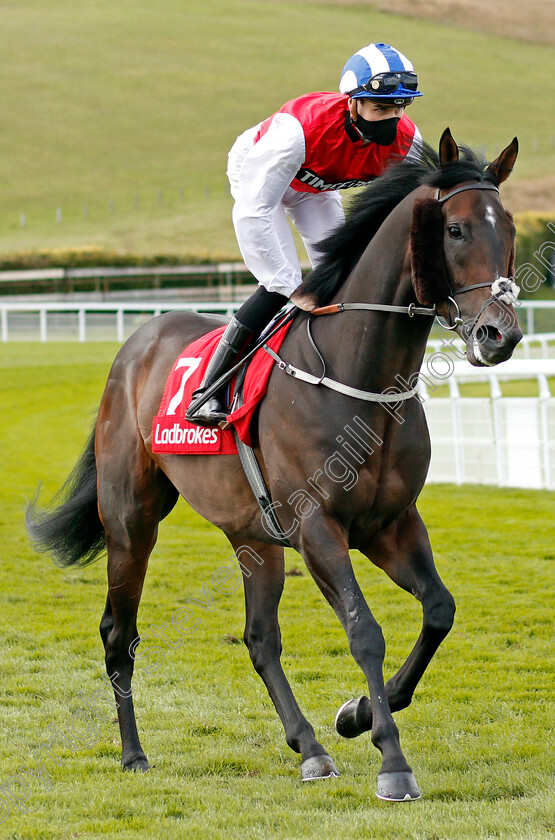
(463, 188)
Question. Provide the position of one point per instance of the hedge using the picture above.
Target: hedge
(95, 257)
(534, 230)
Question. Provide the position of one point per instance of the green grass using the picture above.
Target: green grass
(477, 734)
(106, 101)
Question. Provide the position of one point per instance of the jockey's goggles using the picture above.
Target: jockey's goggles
(387, 83)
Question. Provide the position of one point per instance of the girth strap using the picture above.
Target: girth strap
(254, 475)
(261, 493)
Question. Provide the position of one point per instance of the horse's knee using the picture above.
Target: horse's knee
(439, 616)
(366, 641)
(106, 625)
(264, 646)
(118, 654)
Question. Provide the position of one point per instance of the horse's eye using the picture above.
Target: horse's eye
(455, 232)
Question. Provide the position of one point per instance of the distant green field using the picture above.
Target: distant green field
(477, 733)
(120, 115)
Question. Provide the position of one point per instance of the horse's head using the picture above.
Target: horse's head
(462, 256)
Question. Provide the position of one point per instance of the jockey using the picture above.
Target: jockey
(293, 165)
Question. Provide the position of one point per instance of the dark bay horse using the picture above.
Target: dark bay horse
(343, 471)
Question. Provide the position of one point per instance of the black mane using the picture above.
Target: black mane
(343, 248)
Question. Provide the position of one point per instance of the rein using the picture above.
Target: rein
(411, 310)
(506, 289)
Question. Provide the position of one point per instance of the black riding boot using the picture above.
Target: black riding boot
(244, 327)
(234, 340)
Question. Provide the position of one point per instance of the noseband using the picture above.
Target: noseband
(505, 289)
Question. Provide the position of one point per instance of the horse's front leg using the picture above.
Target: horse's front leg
(325, 550)
(263, 577)
(403, 551)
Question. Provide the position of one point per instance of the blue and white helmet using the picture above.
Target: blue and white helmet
(380, 72)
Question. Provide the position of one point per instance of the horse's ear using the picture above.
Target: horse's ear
(502, 166)
(427, 255)
(448, 149)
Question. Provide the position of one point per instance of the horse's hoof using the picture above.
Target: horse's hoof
(354, 717)
(318, 767)
(137, 765)
(398, 787)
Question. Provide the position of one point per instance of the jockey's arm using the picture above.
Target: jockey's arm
(262, 230)
(415, 151)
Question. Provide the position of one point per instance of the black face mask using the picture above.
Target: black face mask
(382, 132)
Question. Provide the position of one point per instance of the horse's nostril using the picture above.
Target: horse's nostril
(488, 333)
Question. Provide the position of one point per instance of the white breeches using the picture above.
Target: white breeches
(265, 238)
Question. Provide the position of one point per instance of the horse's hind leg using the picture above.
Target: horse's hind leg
(133, 495)
(403, 551)
(263, 577)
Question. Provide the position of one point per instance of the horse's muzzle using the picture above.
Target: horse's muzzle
(490, 344)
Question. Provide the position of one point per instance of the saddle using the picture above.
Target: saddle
(172, 433)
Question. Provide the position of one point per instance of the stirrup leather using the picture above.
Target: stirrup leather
(211, 411)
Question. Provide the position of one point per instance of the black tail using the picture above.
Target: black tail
(72, 531)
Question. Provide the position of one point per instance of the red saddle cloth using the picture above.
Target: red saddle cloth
(172, 433)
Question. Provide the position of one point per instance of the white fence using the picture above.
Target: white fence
(535, 346)
(228, 273)
(507, 441)
(91, 320)
(88, 321)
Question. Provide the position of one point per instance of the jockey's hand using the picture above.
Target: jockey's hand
(302, 300)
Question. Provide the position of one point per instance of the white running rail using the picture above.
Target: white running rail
(51, 319)
(24, 319)
(494, 439)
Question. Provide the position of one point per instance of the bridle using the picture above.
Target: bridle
(504, 286)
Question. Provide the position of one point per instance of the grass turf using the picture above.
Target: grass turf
(121, 115)
(477, 733)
